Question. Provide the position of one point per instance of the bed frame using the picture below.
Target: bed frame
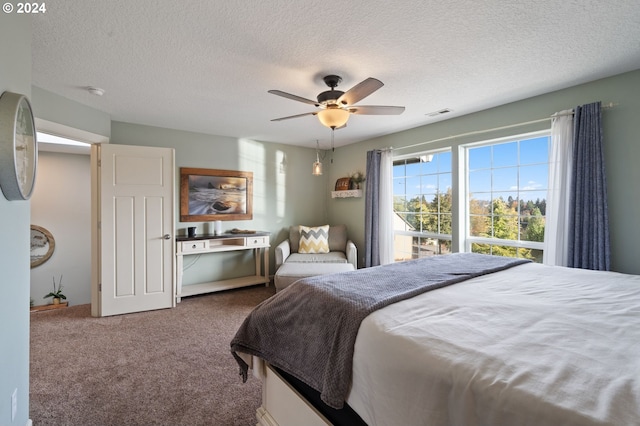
(282, 404)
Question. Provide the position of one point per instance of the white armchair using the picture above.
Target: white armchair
(292, 266)
(341, 249)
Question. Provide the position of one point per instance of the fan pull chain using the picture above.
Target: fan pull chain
(333, 149)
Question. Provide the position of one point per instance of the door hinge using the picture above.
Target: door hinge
(100, 287)
(99, 162)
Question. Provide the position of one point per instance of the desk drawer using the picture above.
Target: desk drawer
(191, 246)
(257, 241)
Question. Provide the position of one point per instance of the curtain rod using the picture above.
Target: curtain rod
(478, 132)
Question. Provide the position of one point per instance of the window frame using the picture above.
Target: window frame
(452, 172)
(463, 151)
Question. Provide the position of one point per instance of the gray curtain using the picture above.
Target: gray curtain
(589, 223)
(371, 207)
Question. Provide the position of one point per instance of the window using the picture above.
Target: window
(422, 196)
(506, 196)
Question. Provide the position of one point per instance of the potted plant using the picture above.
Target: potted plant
(56, 293)
(357, 178)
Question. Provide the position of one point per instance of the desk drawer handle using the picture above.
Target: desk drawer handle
(193, 246)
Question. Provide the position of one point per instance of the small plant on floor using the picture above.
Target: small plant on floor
(56, 294)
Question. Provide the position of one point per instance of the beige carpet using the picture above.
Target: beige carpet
(166, 367)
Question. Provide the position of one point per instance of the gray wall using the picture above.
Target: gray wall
(57, 109)
(15, 76)
(282, 194)
(621, 140)
(61, 203)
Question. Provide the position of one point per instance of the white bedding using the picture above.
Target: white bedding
(533, 345)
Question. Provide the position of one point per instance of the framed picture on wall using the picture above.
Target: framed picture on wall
(209, 194)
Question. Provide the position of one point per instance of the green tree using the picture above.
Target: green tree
(535, 226)
(504, 226)
(438, 218)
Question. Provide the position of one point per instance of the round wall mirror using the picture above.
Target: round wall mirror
(42, 245)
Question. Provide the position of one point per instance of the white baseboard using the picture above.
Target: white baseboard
(264, 418)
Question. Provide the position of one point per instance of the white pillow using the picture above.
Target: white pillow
(314, 239)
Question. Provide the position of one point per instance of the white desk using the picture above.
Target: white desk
(258, 242)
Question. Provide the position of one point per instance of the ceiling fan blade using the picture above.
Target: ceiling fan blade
(376, 110)
(360, 91)
(294, 97)
(294, 116)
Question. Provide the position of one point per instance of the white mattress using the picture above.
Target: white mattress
(533, 345)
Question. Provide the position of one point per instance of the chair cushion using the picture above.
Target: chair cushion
(337, 238)
(314, 239)
(332, 257)
(289, 273)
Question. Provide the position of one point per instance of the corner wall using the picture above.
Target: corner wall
(15, 76)
(61, 203)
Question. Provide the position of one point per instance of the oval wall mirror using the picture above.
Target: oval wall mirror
(42, 245)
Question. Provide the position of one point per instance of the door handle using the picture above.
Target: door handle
(167, 237)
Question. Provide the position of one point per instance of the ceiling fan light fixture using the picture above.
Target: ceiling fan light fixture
(333, 117)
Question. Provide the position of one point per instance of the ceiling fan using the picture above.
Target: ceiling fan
(336, 106)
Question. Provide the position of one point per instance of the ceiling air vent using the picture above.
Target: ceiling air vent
(437, 113)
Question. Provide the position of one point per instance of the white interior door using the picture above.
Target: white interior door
(134, 213)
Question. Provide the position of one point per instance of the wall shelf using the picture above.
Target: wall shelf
(352, 193)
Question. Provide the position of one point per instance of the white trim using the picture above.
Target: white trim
(512, 138)
(535, 245)
(423, 234)
(63, 131)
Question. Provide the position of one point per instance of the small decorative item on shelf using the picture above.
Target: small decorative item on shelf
(56, 294)
(356, 179)
(343, 184)
(242, 231)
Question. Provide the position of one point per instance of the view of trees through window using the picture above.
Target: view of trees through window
(422, 203)
(507, 197)
(505, 207)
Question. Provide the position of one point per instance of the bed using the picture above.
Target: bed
(516, 344)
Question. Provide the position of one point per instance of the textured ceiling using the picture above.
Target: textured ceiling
(206, 65)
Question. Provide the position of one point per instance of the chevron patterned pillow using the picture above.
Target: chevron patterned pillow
(314, 239)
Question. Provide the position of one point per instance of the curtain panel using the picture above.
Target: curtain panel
(556, 236)
(589, 231)
(378, 219)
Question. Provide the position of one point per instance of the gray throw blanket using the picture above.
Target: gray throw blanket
(309, 329)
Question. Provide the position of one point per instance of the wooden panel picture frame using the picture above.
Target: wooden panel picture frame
(209, 194)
